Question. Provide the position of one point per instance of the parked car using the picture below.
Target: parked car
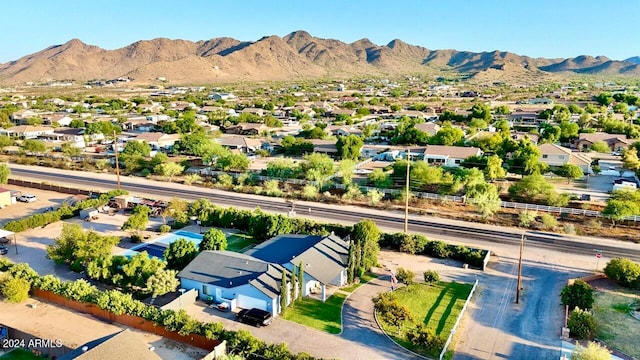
(4, 240)
(3, 250)
(256, 317)
(27, 198)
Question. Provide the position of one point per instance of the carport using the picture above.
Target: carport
(6, 234)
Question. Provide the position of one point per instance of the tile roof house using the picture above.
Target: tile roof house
(616, 142)
(429, 128)
(26, 131)
(556, 155)
(253, 279)
(243, 144)
(246, 129)
(158, 140)
(124, 344)
(442, 155)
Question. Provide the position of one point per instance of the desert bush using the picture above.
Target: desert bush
(579, 294)
(164, 228)
(549, 222)
(405, 276)
(623, 271)
(581, 324)
(15, 289)
(431, 276)
(527, 218)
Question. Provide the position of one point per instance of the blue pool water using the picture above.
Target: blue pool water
(156, 247)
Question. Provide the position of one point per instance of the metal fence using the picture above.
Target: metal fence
(455, 326)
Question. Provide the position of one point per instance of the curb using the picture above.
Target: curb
(347, 298)
(375, 316)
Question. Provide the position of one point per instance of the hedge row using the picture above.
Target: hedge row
(239, 342)
(263, 226)
(62, 213)
(419, 244)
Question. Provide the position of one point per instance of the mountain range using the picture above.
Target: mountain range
(297, 55)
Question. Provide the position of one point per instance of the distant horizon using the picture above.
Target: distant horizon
(544, 29)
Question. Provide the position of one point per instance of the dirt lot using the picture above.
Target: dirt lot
(31, 244)
(48, 321)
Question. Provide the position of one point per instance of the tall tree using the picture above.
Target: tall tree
(161, 282)
(283, 292)
(214, 239)
(5, 172)
(301, 280)
(349, 147)
(366, 234)
(485, 197)
(180, 253)
(494, 169)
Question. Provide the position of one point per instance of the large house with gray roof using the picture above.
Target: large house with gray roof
(253, 279)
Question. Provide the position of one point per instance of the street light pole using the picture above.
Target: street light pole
(115, 150)
(520, 269)
(406, 196)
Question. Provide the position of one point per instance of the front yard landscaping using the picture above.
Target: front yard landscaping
(615, 325)
(432, 309)
(325, 316)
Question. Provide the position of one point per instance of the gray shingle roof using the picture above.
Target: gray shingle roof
(121, 345)
(270, 282)
(326, 259)
(281, 249)
(223, 268)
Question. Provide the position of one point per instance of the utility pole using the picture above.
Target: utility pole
(406, 196)
(520, 270)
(115, 150)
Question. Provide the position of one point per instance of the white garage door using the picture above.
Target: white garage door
(248, 302)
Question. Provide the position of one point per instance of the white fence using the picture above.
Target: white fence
(455, 326)
(425, 195)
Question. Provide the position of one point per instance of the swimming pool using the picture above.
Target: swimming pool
(157, 246)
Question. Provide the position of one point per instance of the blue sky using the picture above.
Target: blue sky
(541, 28)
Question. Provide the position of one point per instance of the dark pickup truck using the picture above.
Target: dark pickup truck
(255, 317)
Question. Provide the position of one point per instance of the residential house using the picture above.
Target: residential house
(138, 124)
(525, 118)
(343, 130)
(452, 156)
(429, 128)
(414, 114)
(73, 136)
(616, 142)
(221, 96)
(556, 155)
(517, 136)
(337, 111)
(26, 131)
(182, 105)
(56, 119)
(253, 279)
(324, 147)
(124, 344)
(254, 111)
(246, 129)
(21, 116)
(324, 258)
(243, 144)
(154, 107)
(158, 140)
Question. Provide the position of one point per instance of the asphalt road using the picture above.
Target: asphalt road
(390, 220)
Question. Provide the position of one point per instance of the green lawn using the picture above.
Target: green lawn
(615, 326)
(316, 314)
(238, 242)
(19, 354)
(436, 306)
(363, 280)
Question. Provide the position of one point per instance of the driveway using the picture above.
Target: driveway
(360, 339)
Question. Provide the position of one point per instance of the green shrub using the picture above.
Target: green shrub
(527, 218)
(549, 222)
(431, 276)
(405, 276)
(426, 338)
(581, 324)
(437, 249)
(23, 271)
(623, 271)
(164, 228)
(579, 294)
(136, 238)
(15, 289)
